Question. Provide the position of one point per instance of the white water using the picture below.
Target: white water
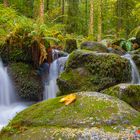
(134, 72)
(8, 101)
(6, 90)
(56, 68)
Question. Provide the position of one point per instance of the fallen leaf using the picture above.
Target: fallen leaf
(138, 132)
(68, 99)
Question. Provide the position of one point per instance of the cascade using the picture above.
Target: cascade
(134, 71)
(9, 105)
(7, 94)
(56, 68)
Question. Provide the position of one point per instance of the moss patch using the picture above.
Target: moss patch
(28, 85)
(126, 92)
(86, 70)
(88, 111)
(94, 46)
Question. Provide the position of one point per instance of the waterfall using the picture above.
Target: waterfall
(134, 72)
(56, 68)
(9, 105)
(7, 94)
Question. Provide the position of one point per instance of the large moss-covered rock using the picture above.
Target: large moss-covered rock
(91, 115)
(28, 85)
(126, 92)
(89, 71)
(93, 46)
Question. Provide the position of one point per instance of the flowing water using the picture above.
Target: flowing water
(134, 71)
(9, 105)
(7, 95)
(56, 68)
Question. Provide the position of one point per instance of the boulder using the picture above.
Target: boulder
(28, 85)
(92, 115)
(116, 49)
(93, 46)
(90, 71)
(70, 45)
(127, 92)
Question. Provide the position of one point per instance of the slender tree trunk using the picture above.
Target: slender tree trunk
(59, 3)
(86, 12)
(119, 16)
(47, 3)
(5, 2)
(99, 37)
(41, 12)
(63, 7)
(91, 24)
(63, 10)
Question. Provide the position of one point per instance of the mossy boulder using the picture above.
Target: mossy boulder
(91, 112)
(93, 46)
(126, 92)
(90, 71)
(28, 84)
(70, 45)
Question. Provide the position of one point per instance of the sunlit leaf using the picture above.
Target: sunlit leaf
(68, 99)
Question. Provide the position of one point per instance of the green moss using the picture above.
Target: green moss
(101, 70)
(90, 110)
(126, 92)
(28, 85)
(94, 46)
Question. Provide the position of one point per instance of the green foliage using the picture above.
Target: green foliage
(126, 45)
(10, 21)
(135, 31)
(72, 17)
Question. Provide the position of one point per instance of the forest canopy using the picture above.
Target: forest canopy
(114, 18)
(22, 23)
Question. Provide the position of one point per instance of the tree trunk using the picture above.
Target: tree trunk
(63, 10)
(41, 12)
(47, 3)
(72, 25)
(86, 12)
(91, 24)
(99, 37)
(63, 7)
(119, 16)
(5, 2)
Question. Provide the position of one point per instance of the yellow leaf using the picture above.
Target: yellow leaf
(68, 99)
